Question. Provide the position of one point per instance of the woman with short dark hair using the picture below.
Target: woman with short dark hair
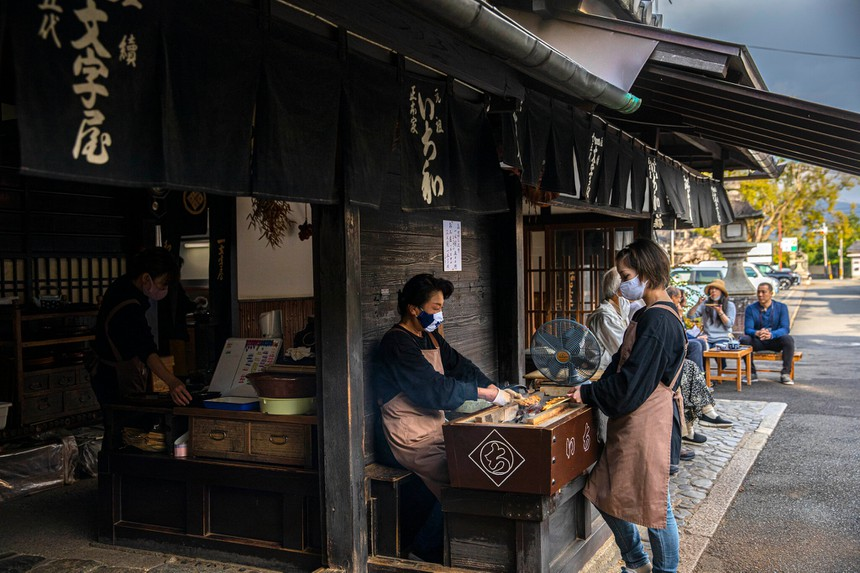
(630, 482)
(417, 376)
(124, 343)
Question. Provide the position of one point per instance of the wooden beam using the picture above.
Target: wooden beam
(340, 385)
(510, 293)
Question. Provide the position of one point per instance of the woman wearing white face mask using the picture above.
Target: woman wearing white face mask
(717, 312)
(630, 482)
(418, 375)
(124, 344)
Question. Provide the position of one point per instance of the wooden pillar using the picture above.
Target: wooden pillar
(340, 386)
(510, 290)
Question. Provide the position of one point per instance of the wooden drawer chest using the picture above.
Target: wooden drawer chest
(252, 436)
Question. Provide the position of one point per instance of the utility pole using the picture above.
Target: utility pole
(779, 240)
(841, 275)
(826, 263)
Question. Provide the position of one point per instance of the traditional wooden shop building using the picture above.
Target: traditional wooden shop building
(121, 119)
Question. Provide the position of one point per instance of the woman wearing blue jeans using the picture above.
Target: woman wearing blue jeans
(630, 482)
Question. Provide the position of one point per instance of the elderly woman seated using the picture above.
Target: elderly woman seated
(609, 321)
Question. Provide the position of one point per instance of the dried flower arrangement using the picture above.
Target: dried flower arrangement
(272, 218)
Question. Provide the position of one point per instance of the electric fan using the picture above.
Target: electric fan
(565, 351)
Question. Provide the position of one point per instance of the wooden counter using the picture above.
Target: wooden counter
(265, 514)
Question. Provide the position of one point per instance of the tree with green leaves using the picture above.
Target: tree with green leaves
(801, 198)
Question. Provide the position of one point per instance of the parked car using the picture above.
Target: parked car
(706, 271)
(787, 278)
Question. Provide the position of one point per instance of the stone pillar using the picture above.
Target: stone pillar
(741, 290)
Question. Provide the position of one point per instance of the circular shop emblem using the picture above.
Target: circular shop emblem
(497, 458)
(563, 356)
(194, 202)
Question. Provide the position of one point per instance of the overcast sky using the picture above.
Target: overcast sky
(819, 26)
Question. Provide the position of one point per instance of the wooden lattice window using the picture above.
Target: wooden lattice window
(564, 266)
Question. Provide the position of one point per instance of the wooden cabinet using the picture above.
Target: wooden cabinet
(252, 436)
(42, 363)
(244, 491)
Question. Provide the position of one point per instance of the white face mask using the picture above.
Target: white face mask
(633, 289)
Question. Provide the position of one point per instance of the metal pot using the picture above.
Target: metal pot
(270, 385)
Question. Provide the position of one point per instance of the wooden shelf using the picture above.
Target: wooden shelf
(242, 415)
(55, 341)
(57, 314)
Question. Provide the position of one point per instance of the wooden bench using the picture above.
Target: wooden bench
(770, 355)
(384, 489)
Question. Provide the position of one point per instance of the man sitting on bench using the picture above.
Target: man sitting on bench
(766, 326)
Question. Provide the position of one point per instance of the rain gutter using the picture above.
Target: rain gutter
(487, 27)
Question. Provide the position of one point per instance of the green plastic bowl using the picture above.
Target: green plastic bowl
(286, 406)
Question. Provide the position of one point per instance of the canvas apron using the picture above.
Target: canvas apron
(631, 479)
(415, 433)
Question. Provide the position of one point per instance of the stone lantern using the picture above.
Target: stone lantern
(734, 247)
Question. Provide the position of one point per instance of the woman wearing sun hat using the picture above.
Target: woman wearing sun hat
(717, 312)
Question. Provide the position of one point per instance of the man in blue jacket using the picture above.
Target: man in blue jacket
(766, 326)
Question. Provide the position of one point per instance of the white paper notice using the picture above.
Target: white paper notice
(452, 243)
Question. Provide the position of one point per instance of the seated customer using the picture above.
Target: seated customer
(698, 404)
(610, 320)
(766, 327)
(717, 312)
(696, 345)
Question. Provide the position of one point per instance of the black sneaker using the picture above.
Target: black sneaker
(697, 439)
(715, 421)
(687, 454)
(673, 469)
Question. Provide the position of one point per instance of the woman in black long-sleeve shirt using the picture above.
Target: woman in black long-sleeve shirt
(417, 375)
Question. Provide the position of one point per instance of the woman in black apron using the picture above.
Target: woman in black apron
(418, 375)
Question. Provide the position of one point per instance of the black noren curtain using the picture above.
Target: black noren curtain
(534, 136)
(558, 170)
(297, 118)
(424, 128)
(703, 208)
(677, 186)
(212, 53)
(721, 207)
(476, 178)
(369, 130)
(87, 94)
(661, 211)
(608, 167)
(589, 136)
(638, 179)
(506, 129)
(621, 188)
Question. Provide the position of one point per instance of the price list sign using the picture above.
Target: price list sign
(452, 246)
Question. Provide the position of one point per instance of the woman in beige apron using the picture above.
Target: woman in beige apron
(630, 482)
(417, 376)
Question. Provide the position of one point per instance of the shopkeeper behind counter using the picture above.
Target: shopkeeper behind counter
(124, 343)
(418, 374)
